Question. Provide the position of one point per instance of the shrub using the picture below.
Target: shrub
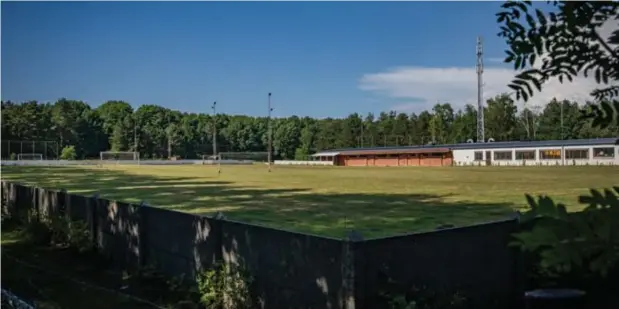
(225, 286)
(587, 240)
(68, 153)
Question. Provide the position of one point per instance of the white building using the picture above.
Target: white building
(603, 151)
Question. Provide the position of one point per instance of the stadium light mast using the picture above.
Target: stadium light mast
(480, 91)
(214, 107)
(135, 138)
(270, 133)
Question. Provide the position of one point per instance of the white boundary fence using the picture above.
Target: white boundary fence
(293, 162)
(121, 162)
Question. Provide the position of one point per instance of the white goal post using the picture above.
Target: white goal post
(244, 156)
(120, 156)
(29, 156)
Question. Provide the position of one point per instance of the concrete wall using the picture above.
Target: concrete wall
(293, 270)
(467, 156)
(299, 162)
(474, 261)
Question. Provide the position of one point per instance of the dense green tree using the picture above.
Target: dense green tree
(500, 118)
(465, 125)
(113, 112)
(160, 132)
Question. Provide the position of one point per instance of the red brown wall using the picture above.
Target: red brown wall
(354, 161)
(397, 160)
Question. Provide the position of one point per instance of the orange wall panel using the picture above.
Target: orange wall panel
(386, 162)
(413, 161)
(403, 160)
(355, 161)
(400, 160)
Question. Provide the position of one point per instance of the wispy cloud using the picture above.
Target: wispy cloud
(496, 60)
(424, 86)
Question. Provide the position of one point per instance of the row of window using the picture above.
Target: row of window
(549, 154)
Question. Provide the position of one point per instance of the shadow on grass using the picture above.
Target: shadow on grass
(296, 209)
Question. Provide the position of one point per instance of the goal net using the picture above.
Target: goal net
(29, 156)
(120, 156)
(244, 156)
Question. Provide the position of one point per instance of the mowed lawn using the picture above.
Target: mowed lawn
(377, 201)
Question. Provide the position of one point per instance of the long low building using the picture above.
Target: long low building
(602, 151)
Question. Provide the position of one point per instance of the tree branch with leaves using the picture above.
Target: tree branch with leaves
(564, 44)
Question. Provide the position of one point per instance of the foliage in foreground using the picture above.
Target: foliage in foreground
(563, 242)
(567, 42)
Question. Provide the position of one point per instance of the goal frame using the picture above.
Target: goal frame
(19, 156)
(136, 156)
(247, 154)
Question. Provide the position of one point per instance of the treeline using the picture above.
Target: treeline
(158, 132)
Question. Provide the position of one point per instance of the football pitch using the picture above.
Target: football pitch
(329, 201)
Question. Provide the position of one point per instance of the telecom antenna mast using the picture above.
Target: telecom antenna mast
(480, 92)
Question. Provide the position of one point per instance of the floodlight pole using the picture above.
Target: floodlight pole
(135, 138)
(214, 107)
(269, 133)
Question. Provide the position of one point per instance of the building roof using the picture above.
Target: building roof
(490, 145)
(325, 154)
(381, 151)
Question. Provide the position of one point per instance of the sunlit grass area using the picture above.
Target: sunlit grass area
(377, 201)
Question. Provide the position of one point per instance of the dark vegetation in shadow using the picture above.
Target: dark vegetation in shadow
(54, 277)
(296, 209)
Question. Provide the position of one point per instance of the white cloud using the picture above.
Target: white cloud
(422, 87)
(496, 59)
(419, 88)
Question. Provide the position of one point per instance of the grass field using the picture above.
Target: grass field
(330, 200)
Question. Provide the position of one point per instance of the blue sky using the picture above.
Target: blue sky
(317, 58)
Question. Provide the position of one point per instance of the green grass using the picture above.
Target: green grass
(378, 201)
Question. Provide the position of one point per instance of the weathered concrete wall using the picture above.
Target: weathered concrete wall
(474, 262)
(291, 270)
(178, 243)
(117, 231)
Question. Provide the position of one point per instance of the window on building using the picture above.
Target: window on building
(550, 154)
(604, 152)
(525, 154)
(577, 154)
(502, 155)
(479, 155)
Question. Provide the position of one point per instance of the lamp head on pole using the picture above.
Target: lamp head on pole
(269, 94)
